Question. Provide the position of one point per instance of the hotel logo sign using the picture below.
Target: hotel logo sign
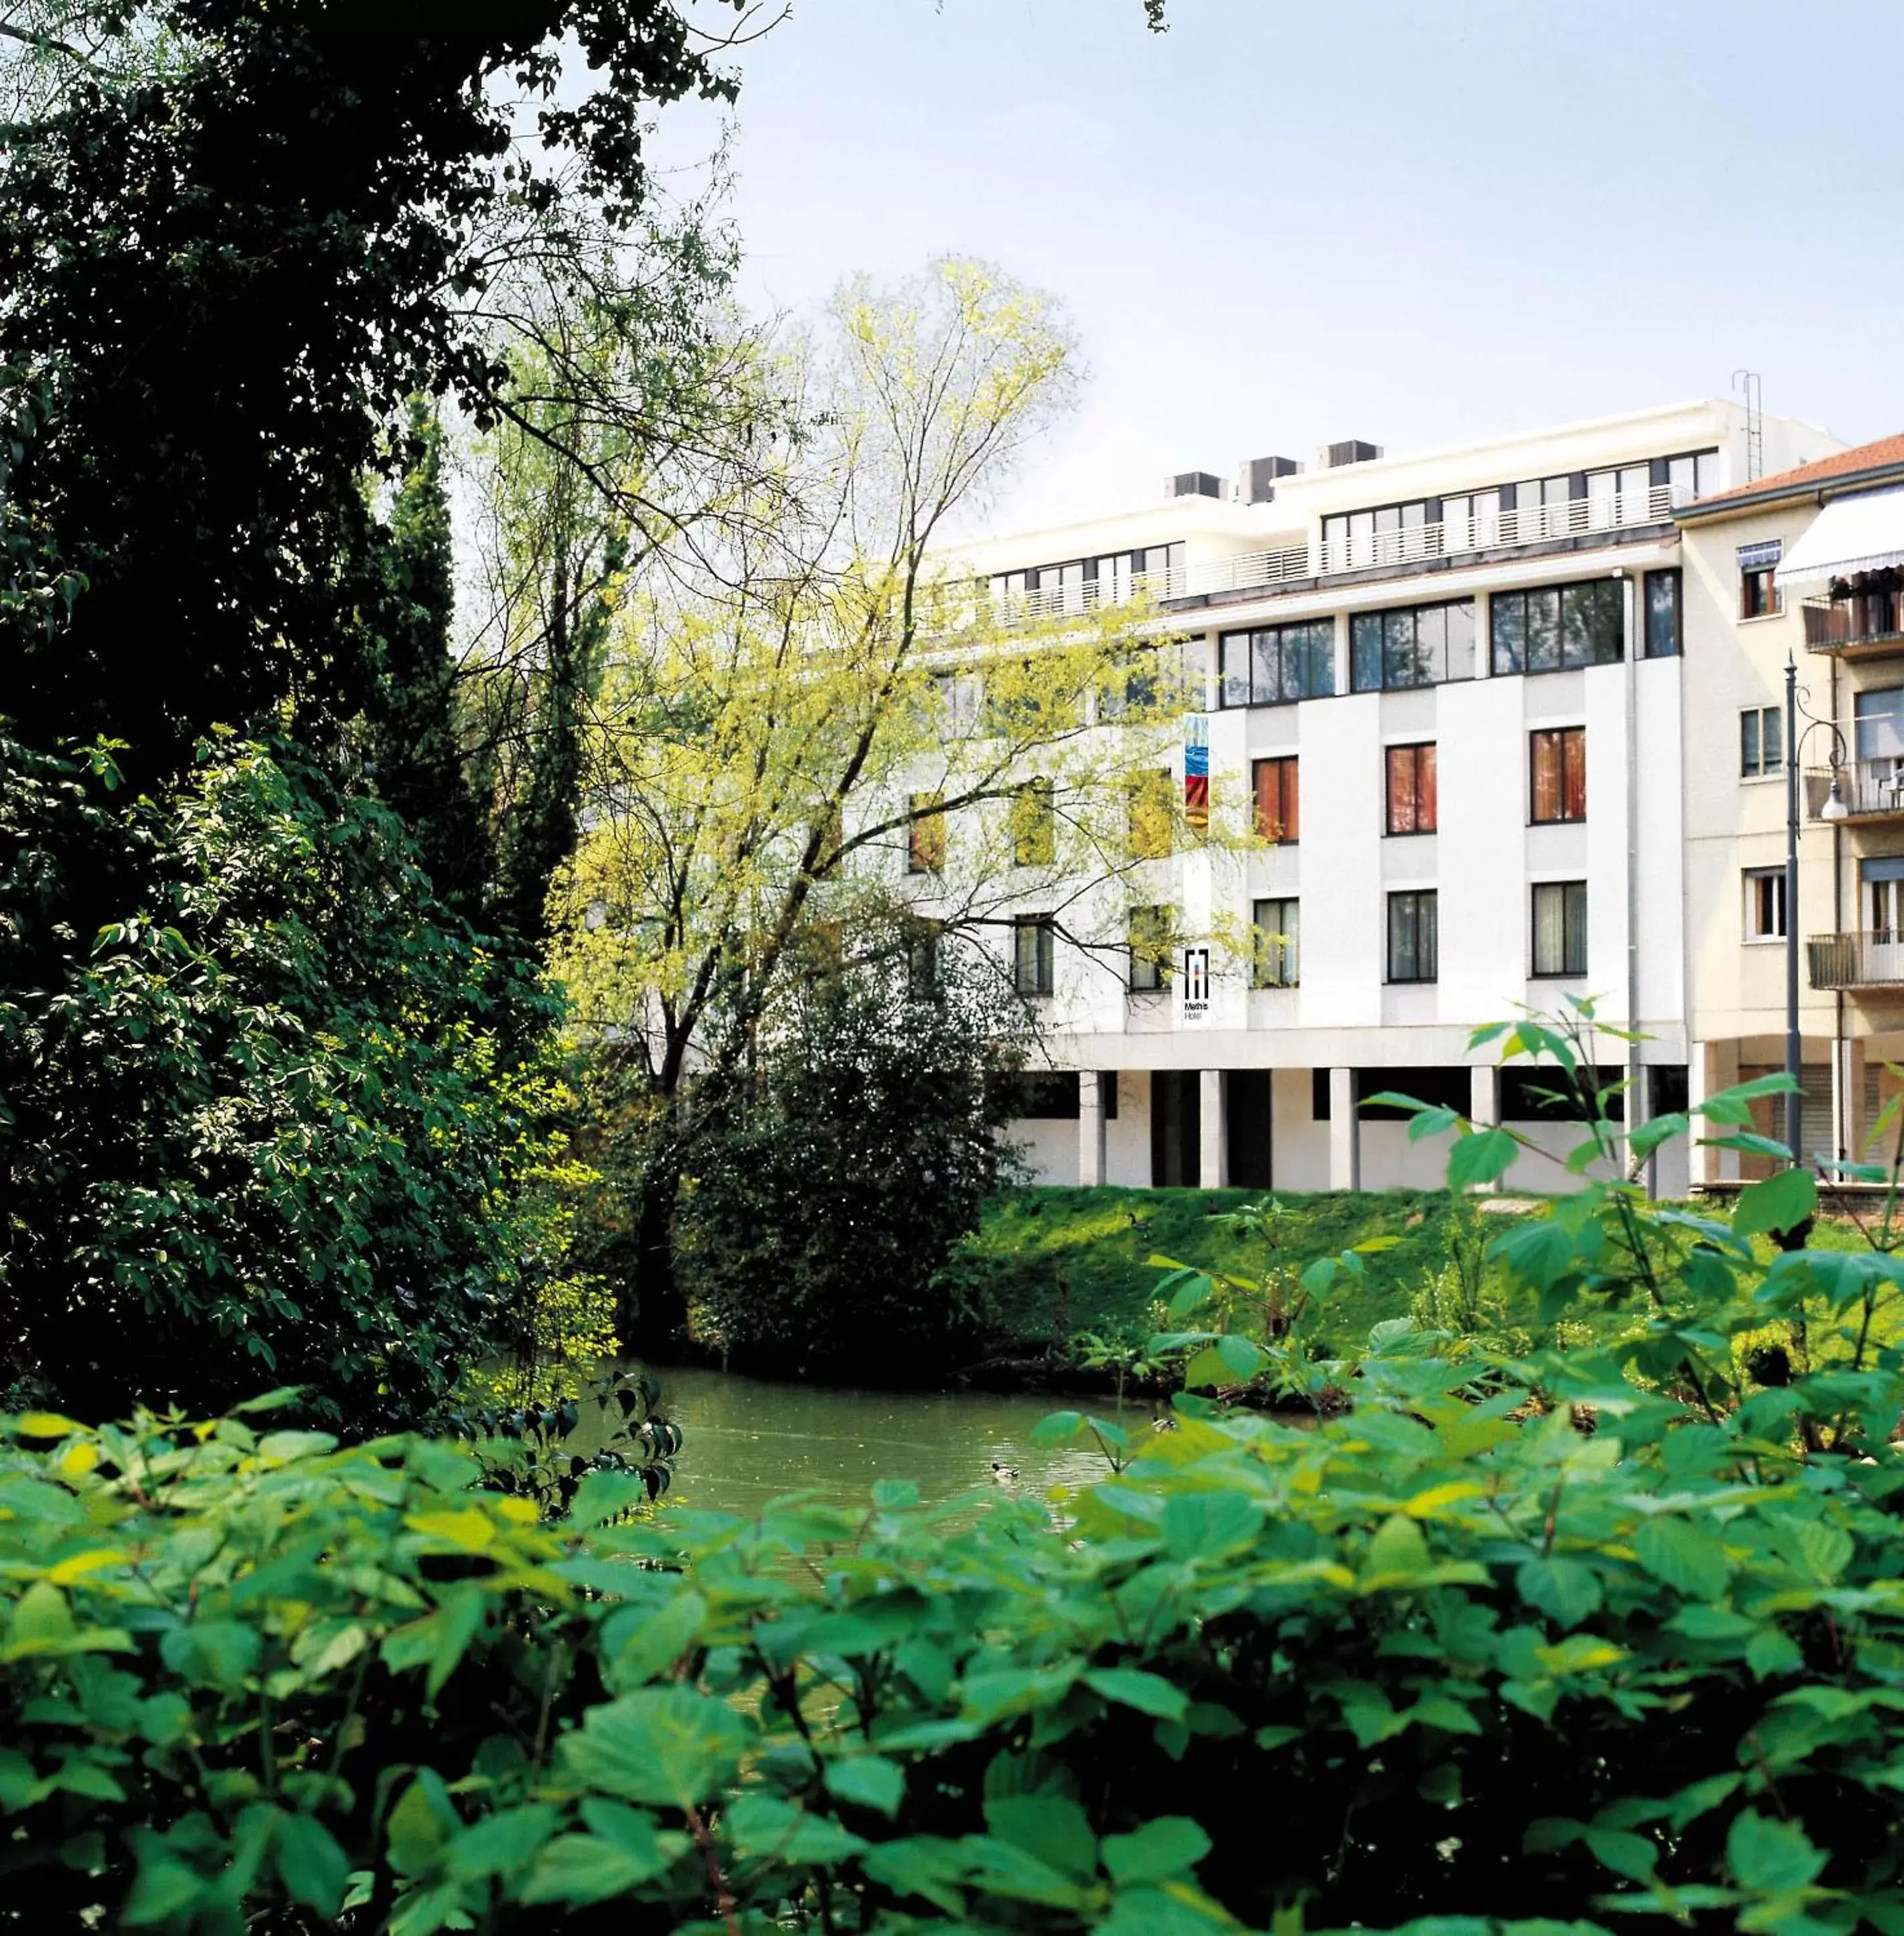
(1195, 983)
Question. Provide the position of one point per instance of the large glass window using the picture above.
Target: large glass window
(1411, 789)
(1151, 825)
(1279, 944)
(1279, 812)
(925, 843)
(1034, 825)
(1694, 475)
(1558, 626)
(1559, 928)
(1280, 663)
(1034, 951)
(1879, 713)
(1557, 759)
(1661, 615)
(1419, 645)
(1414, 944)
(1149, 948)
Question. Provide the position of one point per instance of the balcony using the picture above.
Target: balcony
(1867, 625)
(1857, 961)
(1291, 565)
(1871, 790)
(1498, 530)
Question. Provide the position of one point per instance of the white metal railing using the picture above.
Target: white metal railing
(1539, 524)
(1573, 517)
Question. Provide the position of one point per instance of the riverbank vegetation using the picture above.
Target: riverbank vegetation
(1534, 1639)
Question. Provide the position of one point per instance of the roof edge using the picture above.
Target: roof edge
(1737, 502)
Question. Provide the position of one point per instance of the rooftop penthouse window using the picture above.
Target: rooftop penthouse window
(1078, 583)
(1520, 513)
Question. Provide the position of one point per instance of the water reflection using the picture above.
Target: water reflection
(747, 1441)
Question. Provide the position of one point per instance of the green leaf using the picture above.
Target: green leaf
(1481, 1157)
(641, 1648)
(1773, 1652)
(1650, 1135)
(578, 1870)
(503, 1843)
(419, 1825)
(1398, 1551)
(1207, 1371)
(1540, 1252)
(1732, 1106)
(668, 1745)
(1173, 1845)
(1132, 1687)
(867, 1781)
(1431, 1123)
(1202, 1525)
(1244, 1358)
(1056, 1428)
(1052, 1828)
(1191, 1296)
(214, 1653)
(1772, 1856)
(41, 1619)
(1781, 1203)
(312, 1867)
(1567, 1590)
(1685, 1555)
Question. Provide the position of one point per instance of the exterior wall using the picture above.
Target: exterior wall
(1667, 827)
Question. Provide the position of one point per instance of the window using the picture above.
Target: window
(1425, 645)
(1882, 882)
(1761, 742)
(1133, 685)
(1278, 805)
(1034, 825)
(1034, 938)
(1149, 948)
(1412, 803)
(1662, 615)
(1276, 666)
(1759, 595)
(1696, 475)
(1879, 728)
(1558, 627)
(1072, 585)
(1414, 944)
(1049, 1094)
(1558, 766)
(1279, 944)
(1150, 805)
(1765, 904)
(925, 835)
(960, 696)
(923, 978)
(1559, 928)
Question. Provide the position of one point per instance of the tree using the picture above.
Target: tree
(821, 734)
(230, 267)
(824, 1203)
(264, 1125)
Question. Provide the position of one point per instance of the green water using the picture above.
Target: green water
(747, 1441)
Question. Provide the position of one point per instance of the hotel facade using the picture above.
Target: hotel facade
(1503, 713)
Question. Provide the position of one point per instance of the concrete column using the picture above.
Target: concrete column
(1847, 1111)
(1345, 1132)
(1213, 1140)
(1484, 642)
(1723, 1074)
(1091, 1126)
(1701, 1169)
(1484, 1101)
(1343, 682)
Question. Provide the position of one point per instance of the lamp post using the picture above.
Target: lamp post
(1834, 809)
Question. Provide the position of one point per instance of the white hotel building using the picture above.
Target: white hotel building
(1460, 684)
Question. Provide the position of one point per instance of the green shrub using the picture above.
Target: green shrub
(268, 1111)
(1592, 1633)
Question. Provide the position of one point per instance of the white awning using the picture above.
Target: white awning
(1858, 533)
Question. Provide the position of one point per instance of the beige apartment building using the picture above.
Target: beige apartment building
(1804, 567)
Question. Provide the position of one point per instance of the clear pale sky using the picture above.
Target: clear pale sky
(1418, 222)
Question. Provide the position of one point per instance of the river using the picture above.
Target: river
(746, 1440)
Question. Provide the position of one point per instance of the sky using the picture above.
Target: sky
(1420, 222)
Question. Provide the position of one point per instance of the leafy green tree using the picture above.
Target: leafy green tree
(230, 268)
(828, 1196)
(263, 1120)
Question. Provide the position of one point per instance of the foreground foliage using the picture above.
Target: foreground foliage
(260, 1113)
(1590, 1632)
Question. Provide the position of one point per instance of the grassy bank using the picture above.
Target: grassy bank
(1048, 1263)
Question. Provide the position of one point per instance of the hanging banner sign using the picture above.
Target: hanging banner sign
(1196, 772)
(1195, 983)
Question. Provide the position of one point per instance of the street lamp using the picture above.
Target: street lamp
(1834, 809)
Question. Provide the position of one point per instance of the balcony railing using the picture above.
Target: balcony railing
(1865, 621)
(1869, 960)
(1539, 524)
(1867, 787)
